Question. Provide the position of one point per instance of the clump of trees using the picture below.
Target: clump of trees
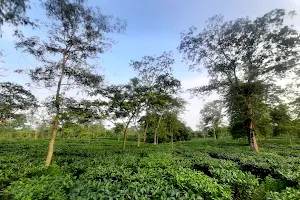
(170, 129)
(146, 98)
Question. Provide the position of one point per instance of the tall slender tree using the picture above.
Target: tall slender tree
(156, 73)
(163, 97)
(243, 55)
(76, 33)
(126, 101)
(150, 69)
(211, 115)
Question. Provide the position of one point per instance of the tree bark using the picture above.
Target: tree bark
(36, 131)
(172, 140)
(155, 134)
(55, 123)
(36, 134)
(125, 132)
(51, 144)
(139, 139)
(124, 138)
(2, 121)
(215, 136)
(145, 133)
(251, 130)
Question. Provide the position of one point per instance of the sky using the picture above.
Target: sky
(153, 26)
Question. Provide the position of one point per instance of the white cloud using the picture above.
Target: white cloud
(195, 104)
(294, 2)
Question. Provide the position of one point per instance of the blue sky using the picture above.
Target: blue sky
(154, 26)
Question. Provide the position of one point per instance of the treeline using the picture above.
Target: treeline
(171, 129)
(244, 59)
(277, 121)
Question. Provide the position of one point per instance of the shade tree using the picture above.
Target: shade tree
(211, 115)
(76, 33)
(243, 57)
(152, 69)
(126, 102)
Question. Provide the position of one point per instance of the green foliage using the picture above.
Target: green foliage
(91, 131)
(211, 117)
(170, 127)
(44, 130)
(126, 101)
(288, 194)
(13, 100)
(243, 58)
(197, 169)
(69, 129)
(281, 120)
(118, 129)
(41, 187)
(238, 98)
(14, 12)
(219, 133)
(76, 34)
(216, 47)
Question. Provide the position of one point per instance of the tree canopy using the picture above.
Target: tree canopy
(13, 100)
(14, 12)
(76, 33)
(243, 58)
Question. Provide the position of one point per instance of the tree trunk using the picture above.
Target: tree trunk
(155, 134)
(36, 134)
(215, 136)
(145, 133)
(125, 132)
(55, 123)
(2, 121)
(172, 140)
(251, 130)
(139, 139)
(51, 144)
(124, 138)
